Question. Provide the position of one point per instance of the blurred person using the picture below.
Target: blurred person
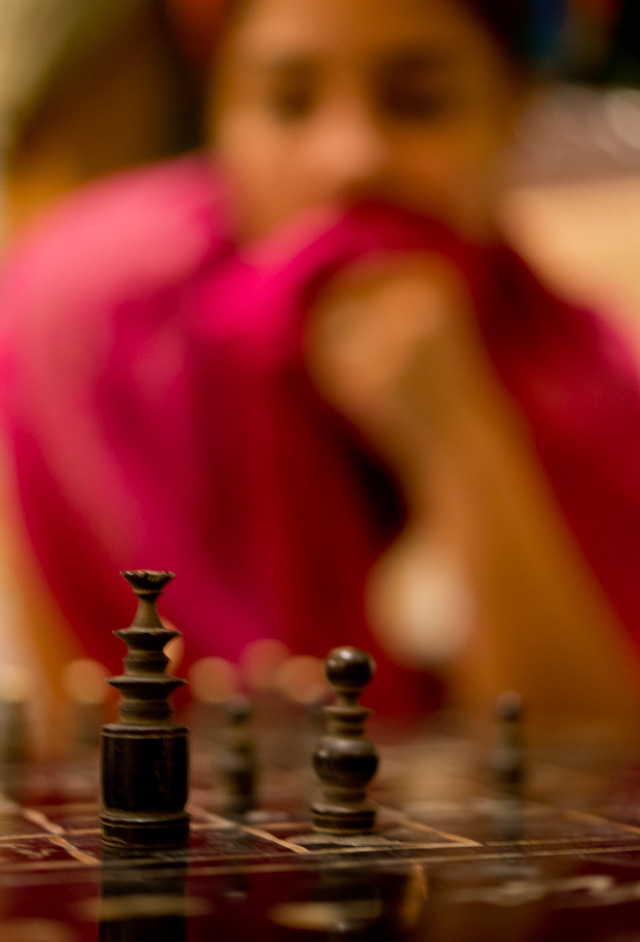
(304, 371)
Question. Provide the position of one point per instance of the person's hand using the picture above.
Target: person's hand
(394, 347)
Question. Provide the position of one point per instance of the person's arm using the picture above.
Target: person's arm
(398, 352)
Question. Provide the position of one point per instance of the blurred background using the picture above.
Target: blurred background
(88, 88)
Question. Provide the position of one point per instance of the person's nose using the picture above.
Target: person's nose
(350, 154)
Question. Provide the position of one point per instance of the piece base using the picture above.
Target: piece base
(341, 821)
(147, 832)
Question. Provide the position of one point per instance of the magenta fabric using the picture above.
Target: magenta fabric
(156, 400)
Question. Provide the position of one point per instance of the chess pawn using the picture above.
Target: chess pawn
(345, 760)
(508, 760)
(213, 682)
(16, 747)
(509, 773)
(16, 690)
(145, 756)
(239, 766)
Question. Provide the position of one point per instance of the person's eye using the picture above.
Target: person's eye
(292, 103)
(405, 101)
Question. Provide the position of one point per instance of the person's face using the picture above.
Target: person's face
(318, 103)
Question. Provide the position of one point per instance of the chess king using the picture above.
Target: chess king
(303, 369)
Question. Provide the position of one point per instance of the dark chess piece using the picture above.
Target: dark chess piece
(238, 766)
(508, 760)
(145, 756)
(508, 771)
(345, 760)
(16, 685)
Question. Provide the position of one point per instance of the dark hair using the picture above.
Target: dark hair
(511, 22)
(530, 31)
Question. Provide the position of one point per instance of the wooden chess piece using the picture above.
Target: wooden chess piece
(16, 686)
(508, 772)
(145, 756)
(508, 760)
(239, 765)
(345, 760)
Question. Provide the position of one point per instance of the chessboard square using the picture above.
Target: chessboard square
(37, 853)
(393, 835)
(494, 824)
(625, 815)
(68, 818)
(548, 826)
(201, 817)
(86, 843)
(278, 806)
(14, 824)
(235, 844)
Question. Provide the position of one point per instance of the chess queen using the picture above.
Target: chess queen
(304, 370)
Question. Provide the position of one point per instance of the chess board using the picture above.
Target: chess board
(448, 860)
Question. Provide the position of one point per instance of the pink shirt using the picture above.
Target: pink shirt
(155, 396)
